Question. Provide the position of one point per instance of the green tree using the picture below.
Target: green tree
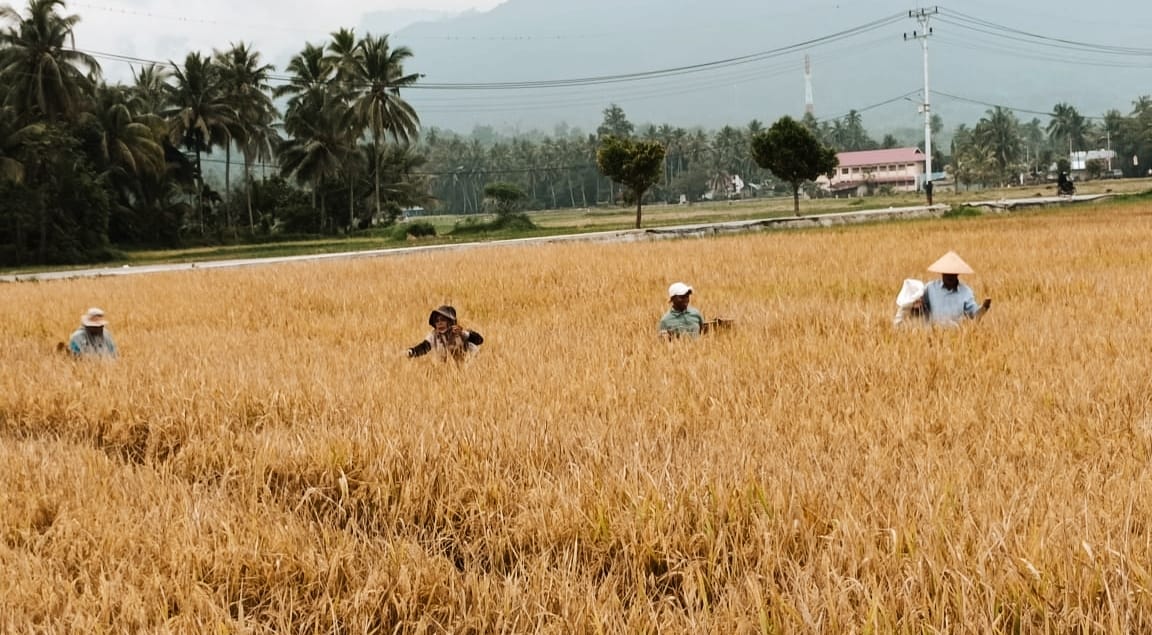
(999, 134)
(1067, 127)
(150, 88)
(792, 153)
(44, 74)
(615, 123)
(14, 138)
(316, 152)
(636, 165)
(244, 82)
(506, 198)
(199, 115)
(377, 74)
(126, 147)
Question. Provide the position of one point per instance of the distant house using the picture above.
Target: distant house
(861, 173)
(1079, 160)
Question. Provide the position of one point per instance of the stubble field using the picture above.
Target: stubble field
(263, 458)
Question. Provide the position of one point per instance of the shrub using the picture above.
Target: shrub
(415, 230)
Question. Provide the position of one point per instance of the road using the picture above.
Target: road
(655, 233)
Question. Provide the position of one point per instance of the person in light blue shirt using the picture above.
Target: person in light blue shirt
(947, 300)
(92, 339)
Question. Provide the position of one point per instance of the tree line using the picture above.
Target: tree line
(331, 146)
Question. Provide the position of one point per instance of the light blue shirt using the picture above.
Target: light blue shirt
(949, 307)
(84, 345)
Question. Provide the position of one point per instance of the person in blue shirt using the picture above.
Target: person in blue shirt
(948, 301)
(92, 339)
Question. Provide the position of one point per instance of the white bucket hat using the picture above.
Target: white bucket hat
(93, 317)
(679, 288)
(912, 291)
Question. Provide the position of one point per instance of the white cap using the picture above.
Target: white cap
(679, 288)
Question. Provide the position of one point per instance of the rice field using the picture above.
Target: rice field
(263, 458)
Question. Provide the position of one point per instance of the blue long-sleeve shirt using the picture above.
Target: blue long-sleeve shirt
(949, 307)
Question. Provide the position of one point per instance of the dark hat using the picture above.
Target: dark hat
(445, 310)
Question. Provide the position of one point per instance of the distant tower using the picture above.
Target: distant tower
(809, 106)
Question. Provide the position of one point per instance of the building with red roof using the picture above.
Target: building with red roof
(861, 173)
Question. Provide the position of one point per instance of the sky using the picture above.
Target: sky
(549, 34)
(167, 29)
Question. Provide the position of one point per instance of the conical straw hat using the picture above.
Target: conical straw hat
(950, 263)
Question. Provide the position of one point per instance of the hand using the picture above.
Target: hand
(457, 329)
(987, 304)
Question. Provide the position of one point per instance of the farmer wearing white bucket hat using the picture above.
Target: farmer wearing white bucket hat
(92, 339)
(947, 300)
(681, 319)
(909, 303)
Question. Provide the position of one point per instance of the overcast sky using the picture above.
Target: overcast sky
(170, 29)
(966, 63)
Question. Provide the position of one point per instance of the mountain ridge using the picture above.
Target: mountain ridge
(876, 72)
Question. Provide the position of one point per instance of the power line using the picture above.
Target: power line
(596, 80)
(1012, 108)
(991, 28)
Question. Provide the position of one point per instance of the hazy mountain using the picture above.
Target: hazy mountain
(393, 20)
(534, 40)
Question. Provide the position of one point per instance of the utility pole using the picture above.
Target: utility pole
(809, 103)
(923, 16)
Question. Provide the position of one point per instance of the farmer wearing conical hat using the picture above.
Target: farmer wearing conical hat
(947, 300)
(447, 339)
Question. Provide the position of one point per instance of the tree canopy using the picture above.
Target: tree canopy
(793, 154)
(635, 164)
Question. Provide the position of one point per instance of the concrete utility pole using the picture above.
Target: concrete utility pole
(809, 103)
(923, 16)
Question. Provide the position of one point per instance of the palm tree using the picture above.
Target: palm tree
(150, 88)
(14, 137)
(245, 86)
(1067, 127)
(999, 133)
(128, 151)
(315, 152)
(126, 143)
(378, 76)
(309, 79)
(45, 77)
(198, 114)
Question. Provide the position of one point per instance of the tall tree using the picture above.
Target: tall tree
(378, 76)
(198, 114)
(615, 123)
(793, 154)
(317, 147)
(150, 88)
(632, 163)
(999, 133)
(244, 83)
(1067, 127)
(14, 139)
(45, 76)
